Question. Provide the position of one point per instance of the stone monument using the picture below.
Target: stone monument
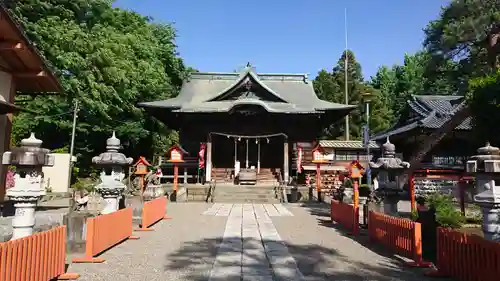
(486, 167)
(28, 182)
(388, 169)
(111, 162)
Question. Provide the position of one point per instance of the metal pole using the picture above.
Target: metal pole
(369, 175)
(346, 88)
(71, 150)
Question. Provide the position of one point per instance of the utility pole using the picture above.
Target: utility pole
(346, 88)
(71, 150)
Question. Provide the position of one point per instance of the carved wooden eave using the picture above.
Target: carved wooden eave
(21, 58)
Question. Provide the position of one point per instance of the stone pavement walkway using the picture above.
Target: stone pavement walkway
(219, 242)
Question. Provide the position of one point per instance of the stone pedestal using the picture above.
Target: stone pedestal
(76, 223)
(348, 194)
(24, 218)
(391, 205)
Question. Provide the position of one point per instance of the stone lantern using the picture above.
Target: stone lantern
(388, 169)
(486, 167)
(28, 182)
(111, 162)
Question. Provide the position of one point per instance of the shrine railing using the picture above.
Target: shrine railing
(466, 257)
(105, 231)
(38, 257)
(401, 236)
(346, 215)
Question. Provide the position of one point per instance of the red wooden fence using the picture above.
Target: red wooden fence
(402, 236)
(466, 257)
(346, 215)
(104, 232)
(38, 257)
(152, 212)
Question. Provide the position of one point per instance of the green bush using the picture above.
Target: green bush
(414, 215)
(364, 190)
(447, 214)
(84, 184)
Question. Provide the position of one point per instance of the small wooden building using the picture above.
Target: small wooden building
(338, 156)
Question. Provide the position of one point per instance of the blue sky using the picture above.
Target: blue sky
(291, 36)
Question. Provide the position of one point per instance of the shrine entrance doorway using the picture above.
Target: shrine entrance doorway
(263, 155)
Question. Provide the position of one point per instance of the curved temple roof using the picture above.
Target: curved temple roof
(216, 92)
(427, 112)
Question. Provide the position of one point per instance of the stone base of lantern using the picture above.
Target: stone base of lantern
(390, 204)
(24, 215)
(489, 201)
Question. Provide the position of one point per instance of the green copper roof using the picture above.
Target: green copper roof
(209, 92)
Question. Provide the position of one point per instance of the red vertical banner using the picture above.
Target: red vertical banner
(201, 156)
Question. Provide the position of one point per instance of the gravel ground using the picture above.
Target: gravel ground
(183, 248)
(186, 247)
(323, 252)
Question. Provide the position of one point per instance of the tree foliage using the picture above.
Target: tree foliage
(468, 32)
(108, 59)
(330, 86)
(416, 76)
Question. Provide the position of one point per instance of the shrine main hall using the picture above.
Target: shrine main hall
(250, 122)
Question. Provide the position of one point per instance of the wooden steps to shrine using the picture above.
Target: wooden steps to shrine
(228, 193)
(266, 176)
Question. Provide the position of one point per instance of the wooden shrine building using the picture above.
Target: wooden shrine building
(249, 121)
(23, 70)
(445, 163)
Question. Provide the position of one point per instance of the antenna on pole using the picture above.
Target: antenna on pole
(346, 88)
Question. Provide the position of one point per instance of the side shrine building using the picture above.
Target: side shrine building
(249, 121)
(444, 166)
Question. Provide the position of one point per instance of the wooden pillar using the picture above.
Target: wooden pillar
(318, 179)
(185, 175)
(6, 123)
(208, 166)
(176, 176)
(258, 156)
(285, 162)
(461, 189)
(246, 160)
(411, 185)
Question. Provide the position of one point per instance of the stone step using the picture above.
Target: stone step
(245, 191)
(255, 196)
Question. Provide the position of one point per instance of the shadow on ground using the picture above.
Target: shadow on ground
(322, 213)
(315, 262)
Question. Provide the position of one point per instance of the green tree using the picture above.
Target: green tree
(331, 87)
(416, 76)
(108, 59)
(468, 32)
